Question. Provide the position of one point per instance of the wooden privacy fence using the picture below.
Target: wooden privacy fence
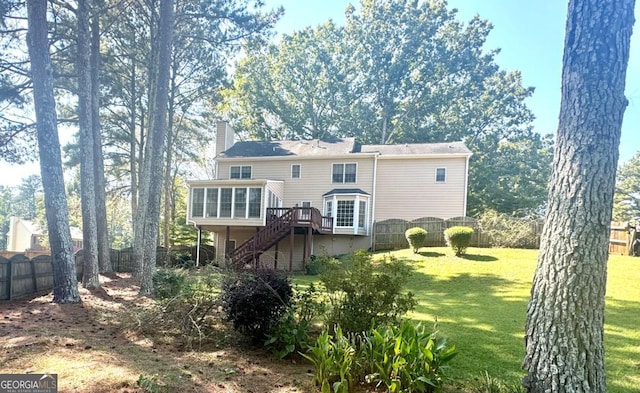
(389, 234)
(622, 238)
(20, 275)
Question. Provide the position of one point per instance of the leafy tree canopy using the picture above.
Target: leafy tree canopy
(399, 71)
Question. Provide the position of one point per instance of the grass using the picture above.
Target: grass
(480, 303)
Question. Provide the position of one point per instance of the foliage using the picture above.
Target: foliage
(255, 301)
(406, 358)
(626, 200)
(416, 238)
(334, 359)
(488, 384)
(291, 335)
(363, 293)
(169, 283)
(185, 302)
(505, 231)
(318, 264)
(458, 238)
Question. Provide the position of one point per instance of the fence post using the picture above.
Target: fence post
(33, 275)
(10, 275)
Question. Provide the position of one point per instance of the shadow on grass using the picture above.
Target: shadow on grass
(479, 258)
(431, 254)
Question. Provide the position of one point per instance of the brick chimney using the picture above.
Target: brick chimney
(225, 137)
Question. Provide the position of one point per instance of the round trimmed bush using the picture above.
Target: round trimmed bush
(416, 237)
(458, 238)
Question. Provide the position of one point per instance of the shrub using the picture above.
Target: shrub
(416, 238)
(335, 362)
(505, 231)
(362, 294)
(458, 238)
(168, 283)
(317, 264)
(291, 334)
(408, 358)
(256, 301)
(185, 303)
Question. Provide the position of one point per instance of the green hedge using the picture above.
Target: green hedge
(458, 238)
(416, 238)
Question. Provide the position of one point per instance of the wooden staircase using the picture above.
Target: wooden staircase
(280, 223)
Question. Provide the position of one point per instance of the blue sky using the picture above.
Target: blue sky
(530, 35)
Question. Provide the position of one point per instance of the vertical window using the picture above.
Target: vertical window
(197, 202)
(226, 196)
(255, 201)
(328, 211)
(212, 202)
(295, 171)
(344, 213)
(362, 214)
(344, 173)
(349, 173)
(338, 173)
(240, 204)
(240, 172)
(441, 175)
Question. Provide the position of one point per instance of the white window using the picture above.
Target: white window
(226, 198)
(240, 172)
(344, 213)
(212, 202)
(441, 175)
(362, 214)
(255, 200)
(295, 171)
(328, 209)
(343, 173)
(197, 202)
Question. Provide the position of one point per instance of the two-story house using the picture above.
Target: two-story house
(278, 202)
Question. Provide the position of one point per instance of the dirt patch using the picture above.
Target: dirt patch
(87, 346)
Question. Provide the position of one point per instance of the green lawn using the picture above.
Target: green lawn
(480, 302)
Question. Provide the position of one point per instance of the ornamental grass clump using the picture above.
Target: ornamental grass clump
(458, 238)
(416, 237)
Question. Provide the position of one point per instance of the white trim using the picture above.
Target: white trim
(344, 173)
(299, 172)
(466, 187)
(241, 167)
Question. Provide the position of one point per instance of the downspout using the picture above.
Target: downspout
(372, 220)
(466, 186)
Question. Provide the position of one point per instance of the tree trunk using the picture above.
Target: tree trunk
(168, 181)
(151, 188)
(65, 289)
(565, 318)
(104, 257)
(87, 184)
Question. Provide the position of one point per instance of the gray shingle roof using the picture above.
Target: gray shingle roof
(339, 191)
(418, 148)
(292, 148)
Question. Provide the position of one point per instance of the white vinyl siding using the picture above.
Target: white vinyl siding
(406, 189)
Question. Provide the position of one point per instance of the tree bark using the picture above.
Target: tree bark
(565, 317)
(65, 288)
(104, 256)
(151, 187)
(87, 184)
